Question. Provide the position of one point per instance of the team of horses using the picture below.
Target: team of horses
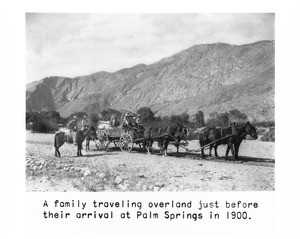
(231, 136)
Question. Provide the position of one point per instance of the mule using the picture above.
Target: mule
(60, 138)
(236, 132)
(174, 133)
(150, 134)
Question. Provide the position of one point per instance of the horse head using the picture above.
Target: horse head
(251, 130)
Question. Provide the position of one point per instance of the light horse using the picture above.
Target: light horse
(60, 138)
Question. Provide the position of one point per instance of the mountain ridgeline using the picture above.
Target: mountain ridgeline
(208, 77)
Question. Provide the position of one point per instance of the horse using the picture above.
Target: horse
(173, 133)
(60, 138)
(87, 142)
(236, 134)
(149, 136)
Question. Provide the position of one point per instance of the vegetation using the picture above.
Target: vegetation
(269, 135)
(43, 122)
(46, 122)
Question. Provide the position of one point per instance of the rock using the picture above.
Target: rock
(124, 186)
(144, 187)
(118, 179)
(101, 175)
(87, 172)
(159, 184)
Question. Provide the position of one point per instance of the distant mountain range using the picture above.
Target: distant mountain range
(208, 77)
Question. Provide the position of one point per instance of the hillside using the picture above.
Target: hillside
(208, 77)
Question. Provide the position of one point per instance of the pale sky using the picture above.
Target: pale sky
(80, 44)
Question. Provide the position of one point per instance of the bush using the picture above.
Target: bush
(43, 126)
(43, 122)
(219, 120)
(269, 135)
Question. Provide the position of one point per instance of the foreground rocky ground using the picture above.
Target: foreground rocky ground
(113, 170)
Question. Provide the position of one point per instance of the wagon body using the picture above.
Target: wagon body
(122, 136)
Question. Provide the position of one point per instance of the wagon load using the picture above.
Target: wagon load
(104, 125)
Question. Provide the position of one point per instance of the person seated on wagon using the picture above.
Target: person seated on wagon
(138, 124)
(114, 122)
(127, 121)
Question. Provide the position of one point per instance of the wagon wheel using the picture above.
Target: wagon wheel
(126, 142)
(103, 140)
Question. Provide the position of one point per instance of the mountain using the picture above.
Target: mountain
(208, 77)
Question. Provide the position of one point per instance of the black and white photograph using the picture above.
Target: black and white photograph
(150, 102)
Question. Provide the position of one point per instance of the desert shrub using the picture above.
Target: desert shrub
(200, 119)
(236, 116)
(265, 124)
(260, 130)
(218, 120)
(43, 122)
(146, 114)
(269, 135)
(44, 126)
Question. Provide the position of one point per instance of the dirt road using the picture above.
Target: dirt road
(113, 170)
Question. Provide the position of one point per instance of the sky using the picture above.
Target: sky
(71, 44)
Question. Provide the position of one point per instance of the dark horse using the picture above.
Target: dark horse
(150, 135)
(173, 133)
(60, 138)
(236, 132)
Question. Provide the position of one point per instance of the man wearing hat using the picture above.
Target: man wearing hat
(72, 125)
(84, 123)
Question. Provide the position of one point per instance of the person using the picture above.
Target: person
(114, 121)
(84, 123)
(138, 124)
(72, 126)
(126, 120)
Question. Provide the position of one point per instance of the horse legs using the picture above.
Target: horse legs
(210, 149)
(216, 151)
(236, 149)
(87, 145)
(227, 151)
(79, 146)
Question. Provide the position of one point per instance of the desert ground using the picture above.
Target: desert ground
(114, 170)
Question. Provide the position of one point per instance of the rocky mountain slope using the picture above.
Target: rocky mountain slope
(208, 77)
